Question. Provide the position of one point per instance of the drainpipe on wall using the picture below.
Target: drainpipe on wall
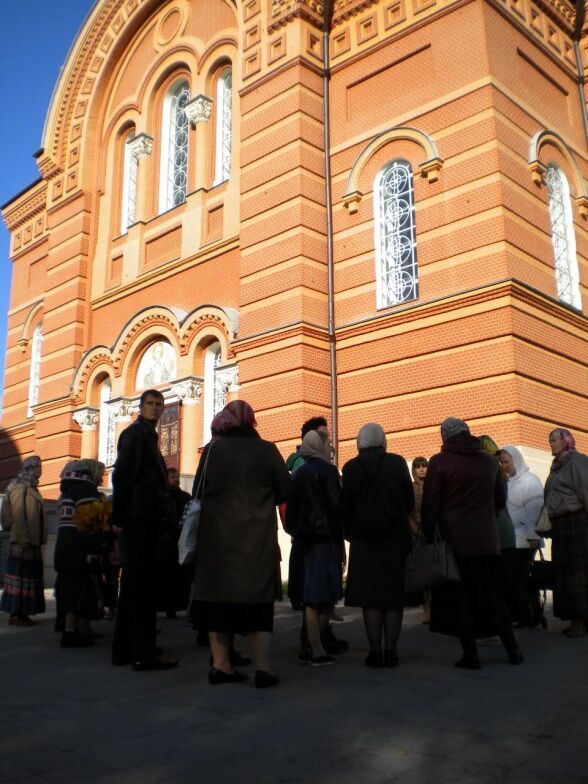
(579, 23)
(330, 261)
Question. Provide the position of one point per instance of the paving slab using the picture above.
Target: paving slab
(69, 716)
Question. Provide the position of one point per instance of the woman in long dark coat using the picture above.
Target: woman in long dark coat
(462, 491)
(236, 580)
(566, 499)
(378, 498)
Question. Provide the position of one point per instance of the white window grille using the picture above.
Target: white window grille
(174, 148)
(107, 425)
(563, 239)
(129, 190)
(224, 126)
(35, 374)
(395, 235)
(215, 393)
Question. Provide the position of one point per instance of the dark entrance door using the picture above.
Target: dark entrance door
(169, 435)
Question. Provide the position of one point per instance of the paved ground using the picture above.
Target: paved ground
(68, 716)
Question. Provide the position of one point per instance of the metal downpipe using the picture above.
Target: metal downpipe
(579, 23)
(330, 260)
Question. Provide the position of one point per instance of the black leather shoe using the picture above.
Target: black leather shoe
(216, 677)
(121, 661)
(156, 663)
(390, 659)
(468, 663)
(239, 661)
(374, 659)
(265, 679)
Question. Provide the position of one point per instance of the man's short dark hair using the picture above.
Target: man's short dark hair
(172, 470)
(313, 424)
(152, 393)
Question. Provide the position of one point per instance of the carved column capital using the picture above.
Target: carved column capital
(122, 409)
(228, 378)
(86, 418)
(198, 109)
(141, 145)
(189, 391)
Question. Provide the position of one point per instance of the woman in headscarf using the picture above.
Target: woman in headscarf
(22, 515)
(566, 499)
(244, 479)
(378, 498)
(463, 490)
(313, 518)
(525, 499)
(82, 540)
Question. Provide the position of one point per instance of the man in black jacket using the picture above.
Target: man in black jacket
(140, 507)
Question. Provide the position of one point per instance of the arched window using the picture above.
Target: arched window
(214, 393)
(395, 235)
(129, 188)
(224, 124)
(563, 239)
(106, 428)
(35, 373)
(157, 365)
(173, 179)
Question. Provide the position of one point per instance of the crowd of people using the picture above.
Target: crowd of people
(119, 556)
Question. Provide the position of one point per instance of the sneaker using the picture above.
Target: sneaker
(304, 657)
(323, 661)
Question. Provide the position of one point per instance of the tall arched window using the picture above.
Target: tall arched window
(224, 126)
(395, 235)
(173, 179)
(129, 189)
(563, 239)
(106, 428)
(35, 373)
(214, 393)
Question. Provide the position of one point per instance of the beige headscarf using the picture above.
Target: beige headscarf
(313, 445)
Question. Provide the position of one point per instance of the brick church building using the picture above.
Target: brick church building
(374, 210)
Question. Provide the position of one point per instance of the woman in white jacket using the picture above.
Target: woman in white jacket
(525, 499)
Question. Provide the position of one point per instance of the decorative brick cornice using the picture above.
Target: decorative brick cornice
(26, 207)
(560, 11)
(284, 11)
(343, 9)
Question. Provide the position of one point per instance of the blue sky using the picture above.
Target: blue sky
(36, 36)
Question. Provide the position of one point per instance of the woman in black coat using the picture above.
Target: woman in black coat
(313, 519)
(463, 489)
(378, 498)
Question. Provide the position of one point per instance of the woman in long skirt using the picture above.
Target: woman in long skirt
(22, 515)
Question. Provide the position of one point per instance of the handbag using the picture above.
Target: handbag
(428, 565)
(190, 522)
(543, 524)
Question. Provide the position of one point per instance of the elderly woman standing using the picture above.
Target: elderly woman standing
(566, 499)
(463, 490)
(378, 498)
(23, 515)
(313, 519)
(525, 499)
(236, 580)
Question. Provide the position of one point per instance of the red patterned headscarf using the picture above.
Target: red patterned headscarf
(235, 414)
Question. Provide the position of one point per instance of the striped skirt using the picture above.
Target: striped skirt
(23, 592)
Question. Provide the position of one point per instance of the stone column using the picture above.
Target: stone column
(189, 392)
(122, 412)
(87, 419)
(140, 147)
(228, 379)
(198, 112)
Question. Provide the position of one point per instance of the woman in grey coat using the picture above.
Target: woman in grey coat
(566, 499)
(237, 568)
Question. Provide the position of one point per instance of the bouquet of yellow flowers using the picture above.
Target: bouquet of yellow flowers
(94, 517)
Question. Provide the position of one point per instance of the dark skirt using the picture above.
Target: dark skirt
(473, 607)
(323, 573)
(232, 618)
(23, 582)
(375, 576)
(569, 552)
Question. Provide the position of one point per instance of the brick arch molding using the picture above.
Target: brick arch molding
(538, 167)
